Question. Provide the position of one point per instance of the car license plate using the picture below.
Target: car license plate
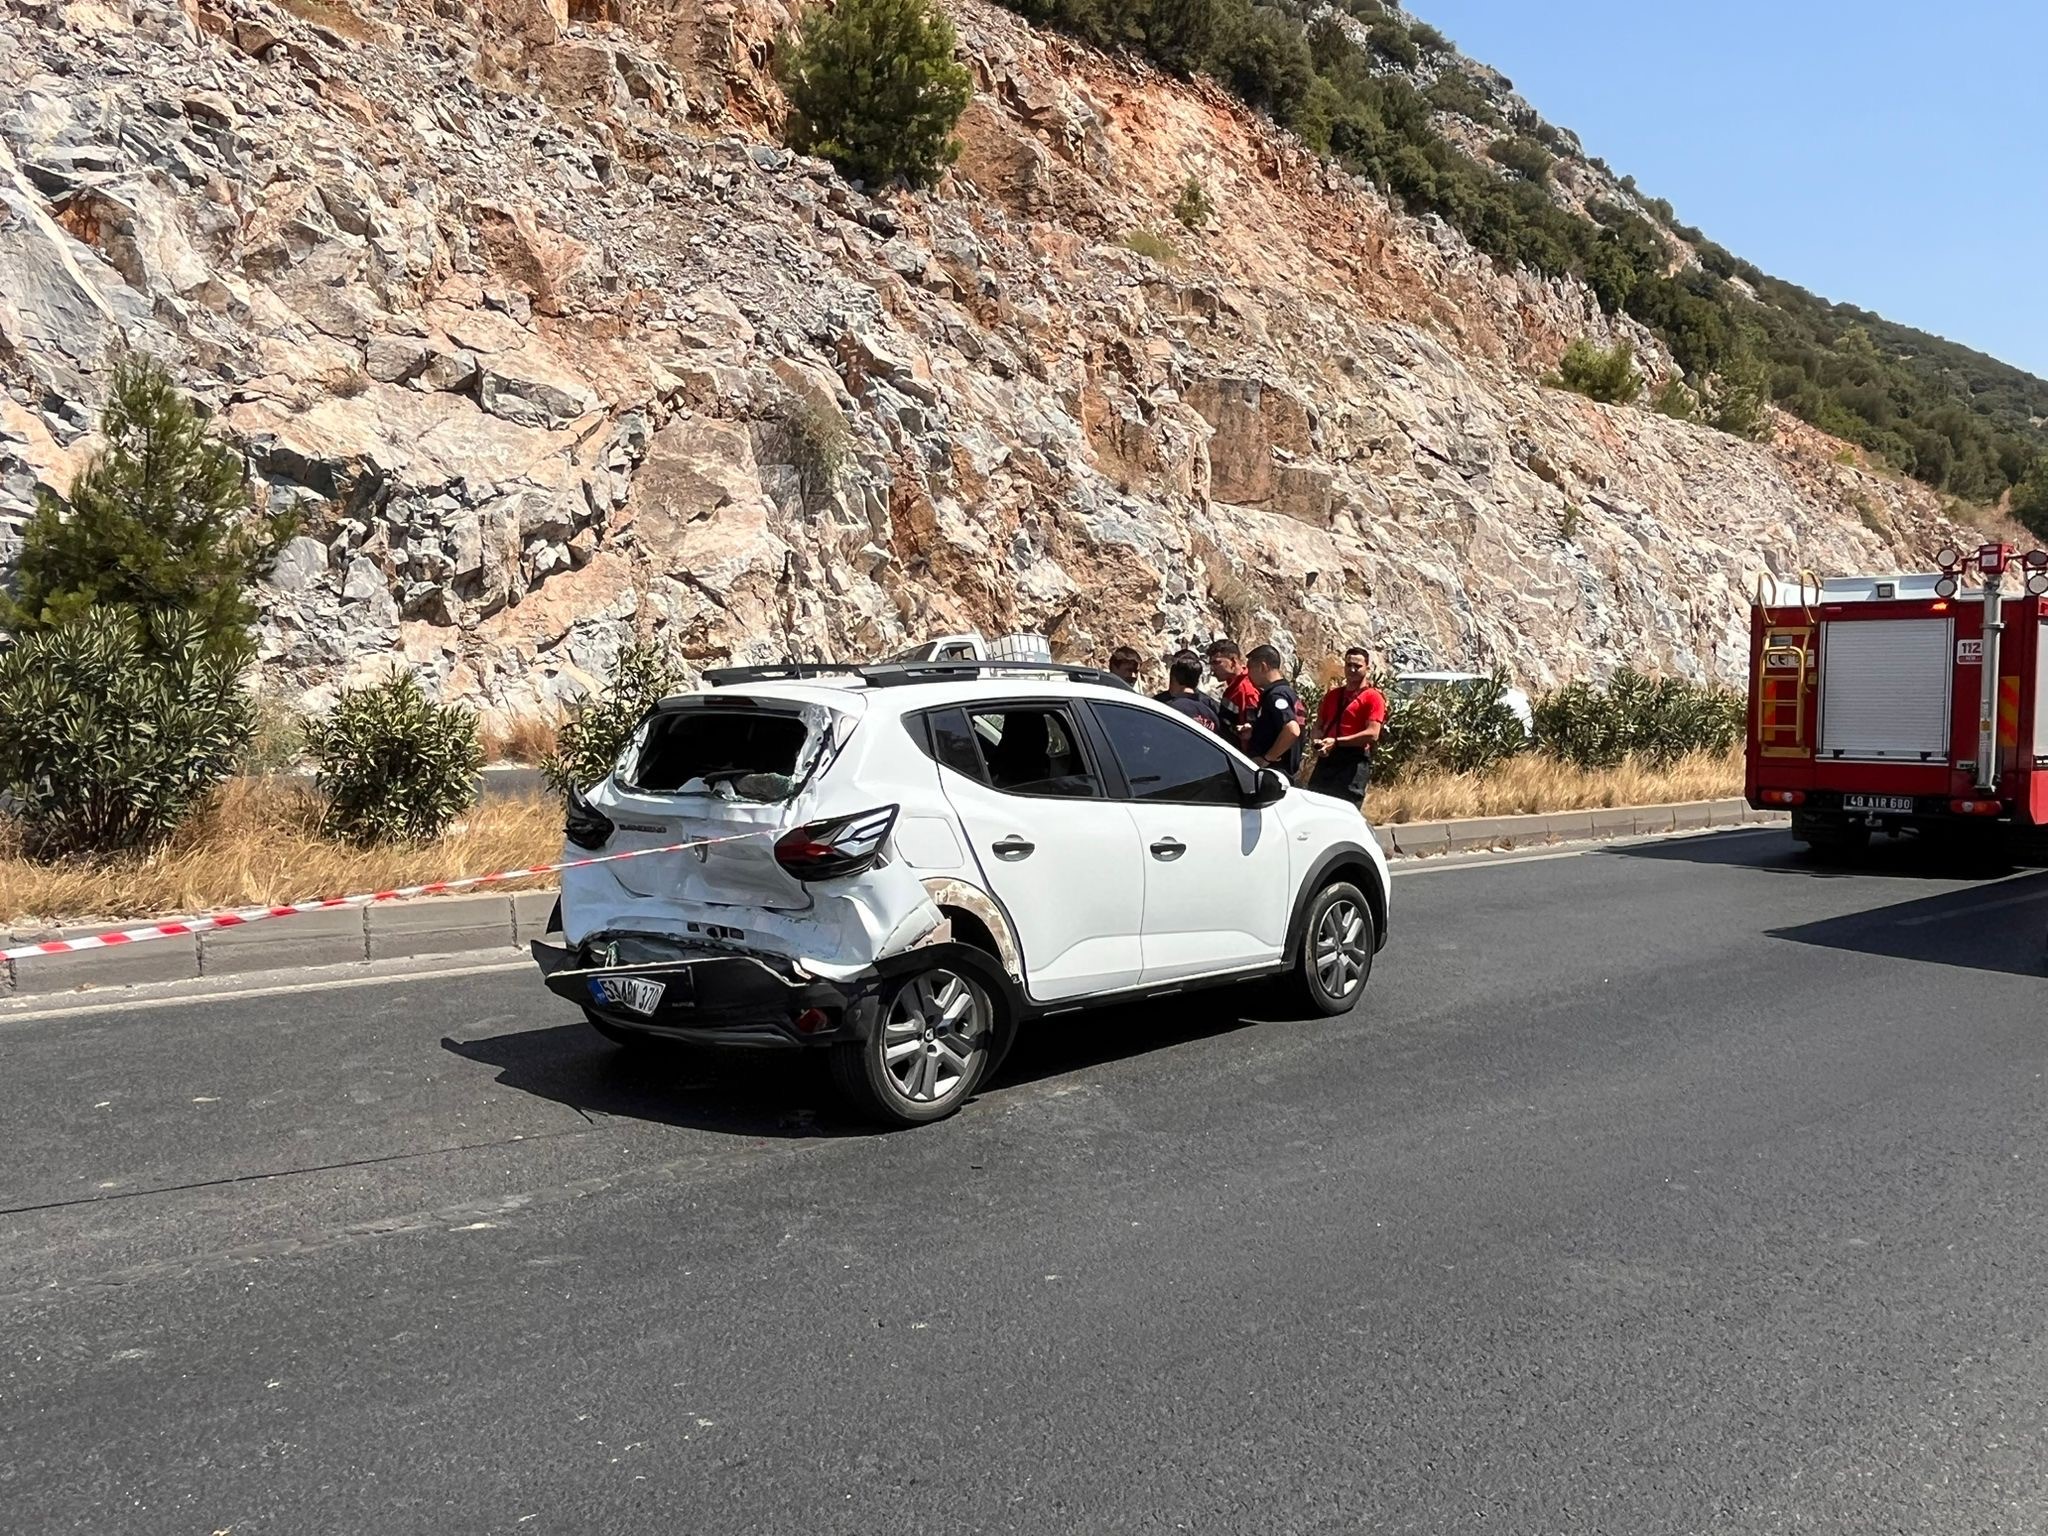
(1900, 803)
(635, 994)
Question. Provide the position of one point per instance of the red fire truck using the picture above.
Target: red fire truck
(1912, 703)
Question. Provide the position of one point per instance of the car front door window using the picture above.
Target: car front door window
(1166, 761)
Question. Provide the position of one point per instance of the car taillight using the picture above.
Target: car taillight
(1976, 807)
(585, 825)
(1783, 797)
(828, 850)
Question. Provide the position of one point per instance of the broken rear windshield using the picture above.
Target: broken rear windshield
(735, 755)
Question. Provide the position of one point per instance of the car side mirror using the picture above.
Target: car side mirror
(1269, 788)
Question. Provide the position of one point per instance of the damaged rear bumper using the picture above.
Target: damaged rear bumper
(679, 991)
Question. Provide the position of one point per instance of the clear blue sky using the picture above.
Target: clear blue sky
(1883, 154)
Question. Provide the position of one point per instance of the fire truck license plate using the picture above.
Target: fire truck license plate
(1903, 803)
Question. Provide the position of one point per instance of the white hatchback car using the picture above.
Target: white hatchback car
(903, 864)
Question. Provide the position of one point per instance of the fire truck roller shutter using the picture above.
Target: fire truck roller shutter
(1886, 686)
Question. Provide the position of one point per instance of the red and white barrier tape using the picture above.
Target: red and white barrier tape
(180, 926)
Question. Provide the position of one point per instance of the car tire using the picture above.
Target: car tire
(932, 1044)
(1337, 945)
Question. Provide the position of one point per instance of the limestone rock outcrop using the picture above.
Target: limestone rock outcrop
(548, 341)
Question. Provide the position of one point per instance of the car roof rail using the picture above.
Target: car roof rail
(781, 672)
(901, 673)
(897, 674)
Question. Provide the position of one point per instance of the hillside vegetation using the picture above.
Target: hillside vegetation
(1390, 98)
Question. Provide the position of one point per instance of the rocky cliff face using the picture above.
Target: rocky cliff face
(519, 302)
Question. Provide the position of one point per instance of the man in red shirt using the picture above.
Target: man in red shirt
(1239, 706)
(1348, 726)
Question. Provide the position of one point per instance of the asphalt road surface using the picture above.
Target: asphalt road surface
(1676, 1188)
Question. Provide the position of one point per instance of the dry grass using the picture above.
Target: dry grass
(1527, 785)
(522, 739)
(261, 844)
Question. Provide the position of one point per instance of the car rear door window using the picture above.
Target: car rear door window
(1167, 761)
(947, 738)
(1032, 749)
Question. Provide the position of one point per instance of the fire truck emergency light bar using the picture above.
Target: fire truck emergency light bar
(1992, 561)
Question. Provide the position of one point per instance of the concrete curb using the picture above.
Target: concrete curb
(435, 925)
(441, 925)
(1421, 839)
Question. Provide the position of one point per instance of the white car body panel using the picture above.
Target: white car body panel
(1076, 900)
(1090, 912)
(1222, 905)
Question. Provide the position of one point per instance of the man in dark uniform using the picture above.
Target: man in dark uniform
(1275, 738)
(1184, 679)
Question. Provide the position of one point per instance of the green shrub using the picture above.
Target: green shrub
(277, 736)
(1656, 720)
(1427, 38)
(818, 444)
(1741, 393)
(1265, 58)
(394, 765)
(1390, 40)
(160, 518)
(1194, 208)
(1449, 728)
(1329, 45)
(1673, 399)
(2030, 499)
(1524, 156)
(873, 87)
(1455, 91)
(588, 745)
(1154, 247)
(1609, 376)
(114, 727)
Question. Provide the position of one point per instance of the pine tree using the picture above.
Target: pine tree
(874, 88)
(160, 520)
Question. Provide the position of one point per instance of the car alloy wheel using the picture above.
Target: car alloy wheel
(934, 1037)
(1343, 948)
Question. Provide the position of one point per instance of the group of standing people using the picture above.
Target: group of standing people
(1258, 710)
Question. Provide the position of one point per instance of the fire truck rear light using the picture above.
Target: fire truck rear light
(1783, 797)
(2037, 584)
(1948, 557)
(1946, 587)
(1976, 807)
(2037, 559)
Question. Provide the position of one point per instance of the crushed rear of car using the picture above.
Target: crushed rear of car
(759, 902)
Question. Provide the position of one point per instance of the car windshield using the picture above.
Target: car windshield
(732, 754)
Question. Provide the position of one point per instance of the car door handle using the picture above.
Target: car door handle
(1169, 848)
(1012, 848)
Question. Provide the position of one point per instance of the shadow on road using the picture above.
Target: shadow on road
(1773, 851)
(789, 1094)
(1981, 928)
